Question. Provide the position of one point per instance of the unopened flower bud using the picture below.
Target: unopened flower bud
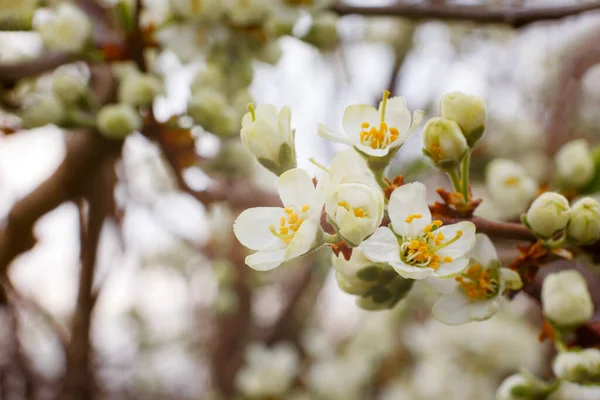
(468, 112)
(115, 121)
(227, 122)
(578, 366)
(522, 387)
(574, 164)
(444, 143)
(139, 89)
(510, 186)
(565, 298)
(68, 88)
(584, 223)
(68, 30)
(358, 274)
(323, 33)
(269, 137)
(42, 109)
(212, 75)
(270, 53)
(205, 106)
(386, 296)
(548, 214)
(281, 22)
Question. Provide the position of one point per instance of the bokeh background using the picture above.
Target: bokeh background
(172, 284)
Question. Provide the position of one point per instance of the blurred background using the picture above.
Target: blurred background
(178, 315)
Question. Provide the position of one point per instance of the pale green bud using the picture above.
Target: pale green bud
(548, 214)
(68, 88)
(468, 112)
(578, 366)
(523, 386)
(42, 109)
(116, 121)
(281, 22)
(270, 53)
(206, 105)
(444, 143)
(139, 89)
(584, 224)
(227, 123)
(574, 164)
(323, 32)
(68, 30)
(212, 75)
(566, 299)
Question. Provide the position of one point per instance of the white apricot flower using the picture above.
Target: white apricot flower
(281, 234)
(375, 132)
(509, 185)
(355, 202)
(475, 294)
(269, 137)
(414, 245)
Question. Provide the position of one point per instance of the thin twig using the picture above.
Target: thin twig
(482, 14)
(10, 73)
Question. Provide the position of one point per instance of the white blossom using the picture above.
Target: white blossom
(509, 186)
(281, 234)
(566, 299)
(574, 164)
(469, 112)
(68, 30)
(584, 223)
(415, 246)
(548, 214)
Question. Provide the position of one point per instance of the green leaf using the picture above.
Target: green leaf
(286, 157)
(270, 165)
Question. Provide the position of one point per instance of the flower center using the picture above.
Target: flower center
(382, 136)
(421, 251)
(479, 283)
(511, 181)
(358, 212)
(289, 225)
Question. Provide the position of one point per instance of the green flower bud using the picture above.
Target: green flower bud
(241, 99)
(578, 366)
(42, 109)
(270, 53)
(206, 105)
(68, 88)
(574, 164)
(212, 75)
(566, 299)
(116, 121)
(444, 143)
(139, 89)
(468, 112)
(281, 22)
(323, 32)
(584, 224)
(523, 386)
(548, 214)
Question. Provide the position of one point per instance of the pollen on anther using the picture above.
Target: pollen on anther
(411, 217)
(438, 223)
(447, 259)
(305, 208)
(288, 210)
(364, 125)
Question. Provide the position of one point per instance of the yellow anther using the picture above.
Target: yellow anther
(447, 259)
(305, 208)
(478, 283)
(281, 221)
(365, 125)
(513, 180)
(438, 223)
(411, 217)
(427, 229)
(430, 235)
(458, 233)
(360, 213)
(344, 204)
(288, 210)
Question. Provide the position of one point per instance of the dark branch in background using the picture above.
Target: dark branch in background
(567, 94)
(482, 14)
(497, 229)
(10, 73)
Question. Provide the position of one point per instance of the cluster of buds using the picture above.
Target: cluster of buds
(550, 215)
(448, 138)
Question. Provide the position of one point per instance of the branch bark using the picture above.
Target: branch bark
(482, 14)
(10, 73)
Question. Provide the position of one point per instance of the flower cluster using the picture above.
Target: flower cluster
(383, 234)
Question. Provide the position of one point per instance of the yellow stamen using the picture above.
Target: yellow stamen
(386, 95)
(478, 283)
(411, 217)
(360, 213)
(438, 223)
(513, 180)
(305, 208)
(447, 259)
(365, 125)
(252, 111)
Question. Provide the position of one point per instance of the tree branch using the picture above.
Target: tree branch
(10, 73)
(483, 14)
(496, 229)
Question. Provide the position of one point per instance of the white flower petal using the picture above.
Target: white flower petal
(449, 269)
(266, 111)
(304, 240)
(285, 120)
(510, 279)
(296, 188)
(410, 271)
(265, 260)
(252, 226)
(408, 200)
(441, 285)
(382, 246)
(349, 166)
(463, 244)
(452, 309)
(483, 251)
(334, 136)
(355, 115)
(482, 310)
(398, 116)
(372, 152)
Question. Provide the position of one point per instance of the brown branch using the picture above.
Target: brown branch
(567, 94)
(482, 14)
(10, 73)
(79, 378)
(497, 229)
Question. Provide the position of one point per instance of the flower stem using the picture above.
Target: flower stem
(331, 239)
(455, 180)
(465, 176)
(317, 164)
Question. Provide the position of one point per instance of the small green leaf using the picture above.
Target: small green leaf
(286, 157)
(270, 165)
(368, 274)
